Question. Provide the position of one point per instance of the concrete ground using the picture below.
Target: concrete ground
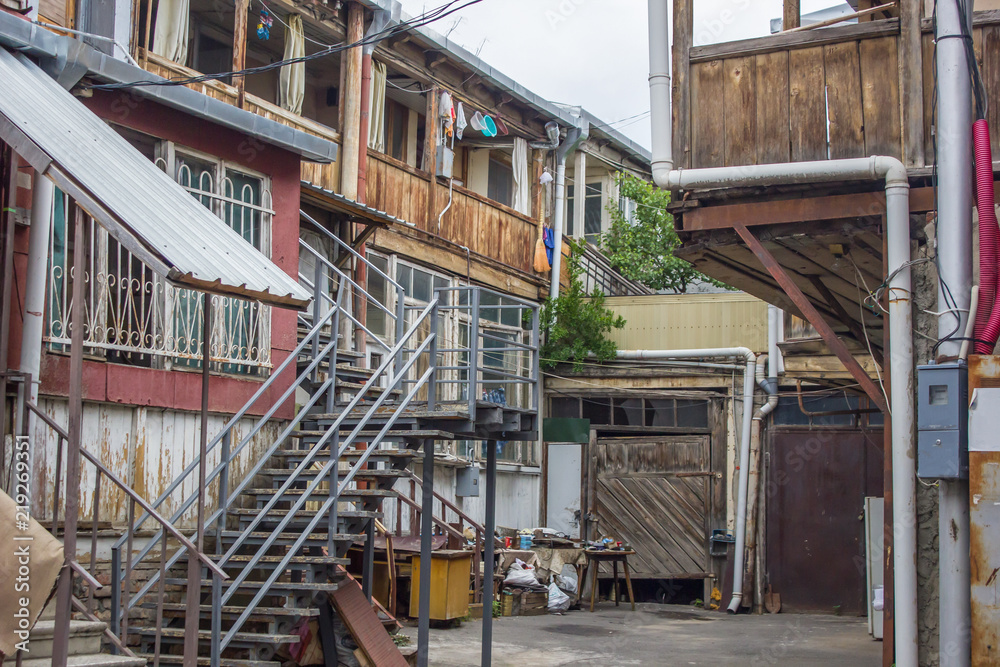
(659, 635)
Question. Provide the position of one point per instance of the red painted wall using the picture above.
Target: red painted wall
(179, 389)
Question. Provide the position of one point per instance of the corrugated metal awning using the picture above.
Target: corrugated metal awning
(338, 202)
(140, 205)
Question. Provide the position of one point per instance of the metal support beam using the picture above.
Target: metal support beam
(192, 620)
(426, 538)
(812, 315)
(368, 563)
(64, 594)
(491, 521)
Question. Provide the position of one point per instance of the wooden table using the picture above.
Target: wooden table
(594, 560)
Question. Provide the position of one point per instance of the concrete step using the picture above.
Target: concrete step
(92, 660)
(170, 659)
(84, 638)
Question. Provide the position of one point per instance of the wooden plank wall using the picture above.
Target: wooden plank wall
(832, 95)
(483, 226)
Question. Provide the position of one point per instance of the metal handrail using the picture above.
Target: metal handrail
(261, 391)
(129, 491)
(320, 476)
(303, 412)
(349, 249)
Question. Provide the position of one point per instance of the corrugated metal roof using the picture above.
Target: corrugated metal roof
(140, 205)
(347, 205)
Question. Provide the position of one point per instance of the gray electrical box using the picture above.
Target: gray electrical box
(943, 421)
(467, 482)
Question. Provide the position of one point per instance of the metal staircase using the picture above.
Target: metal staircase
(289, 507)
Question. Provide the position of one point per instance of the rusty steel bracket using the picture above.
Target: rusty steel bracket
(812, 315)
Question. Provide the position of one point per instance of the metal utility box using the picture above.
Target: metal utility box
(943, 421)
(445, 162)
(467, 482)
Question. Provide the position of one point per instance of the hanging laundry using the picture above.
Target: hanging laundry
(460, 122)
(550, 243)
(264, 25)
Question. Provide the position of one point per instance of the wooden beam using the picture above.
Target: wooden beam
(431, 132)
(240, 49)
(351, 128)
(812, 315)
(683, 41)
(806, 209)
(791, 16)
(795, 40)
(911, 83)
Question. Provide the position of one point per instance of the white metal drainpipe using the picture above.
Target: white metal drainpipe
(749, 375)
(34, 292)
(900, 318)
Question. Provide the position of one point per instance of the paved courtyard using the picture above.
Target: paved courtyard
(660, 635)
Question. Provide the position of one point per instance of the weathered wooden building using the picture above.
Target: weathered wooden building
(753, 123)
(395, 176)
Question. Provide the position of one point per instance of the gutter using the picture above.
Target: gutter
(900, 289)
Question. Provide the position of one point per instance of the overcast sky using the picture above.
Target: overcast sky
(591, 52)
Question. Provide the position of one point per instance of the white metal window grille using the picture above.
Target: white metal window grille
(135, 317)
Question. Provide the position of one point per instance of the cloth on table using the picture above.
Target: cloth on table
(509, 556)
(552, 560)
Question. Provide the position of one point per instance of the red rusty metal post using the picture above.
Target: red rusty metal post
(812, 315)
(192, 621)
(64, 594)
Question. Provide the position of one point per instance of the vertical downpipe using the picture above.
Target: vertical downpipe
(954, 225)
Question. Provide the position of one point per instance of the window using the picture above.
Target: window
(631, 411)
(397, 117)
(500, 187)
(134, 316)
(593, 213)
(837, 409)
(377, 319)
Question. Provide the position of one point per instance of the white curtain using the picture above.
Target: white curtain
(376, 108)
(170, 35)
(522, 183)
(292, 81)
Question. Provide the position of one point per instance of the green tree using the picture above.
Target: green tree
(642, 249)
(575, 323)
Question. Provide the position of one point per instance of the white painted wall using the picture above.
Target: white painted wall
(518, 497)
(146, 447)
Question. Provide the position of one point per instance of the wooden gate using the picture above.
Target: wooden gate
(655, 494)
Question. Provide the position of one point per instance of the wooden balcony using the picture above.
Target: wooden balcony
(487, 228)
(817, 94)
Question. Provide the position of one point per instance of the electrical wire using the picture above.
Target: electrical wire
(420, 21)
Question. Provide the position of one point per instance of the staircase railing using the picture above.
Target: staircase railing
(90, 577)
(330, 469)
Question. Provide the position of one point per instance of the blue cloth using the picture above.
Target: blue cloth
(549, 238)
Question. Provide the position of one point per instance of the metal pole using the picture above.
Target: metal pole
(192, 620)
(955, 177)
(491, 520)
(368, 564)
(216, 618)
(64, 595)
(426, 536)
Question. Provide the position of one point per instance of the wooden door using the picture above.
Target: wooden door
(655, 494)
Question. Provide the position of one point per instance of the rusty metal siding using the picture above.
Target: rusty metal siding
(690, 321)
(148, 447)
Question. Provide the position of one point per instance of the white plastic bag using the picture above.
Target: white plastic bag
(520, 575)
(566, 580)
(558, 601)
